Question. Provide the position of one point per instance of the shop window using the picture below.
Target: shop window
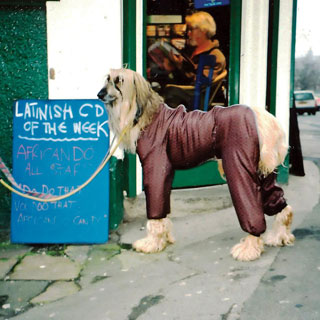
(169, 42)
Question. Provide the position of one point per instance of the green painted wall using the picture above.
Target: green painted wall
(23, 73)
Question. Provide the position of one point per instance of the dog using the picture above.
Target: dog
(249, 142)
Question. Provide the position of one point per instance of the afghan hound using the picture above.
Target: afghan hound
(249, 142)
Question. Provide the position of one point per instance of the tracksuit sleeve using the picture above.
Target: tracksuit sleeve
(157, 180)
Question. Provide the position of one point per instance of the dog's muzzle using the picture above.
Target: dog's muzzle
(105, 97)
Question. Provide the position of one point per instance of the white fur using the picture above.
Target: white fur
(159, 236)
(249, 248)
(280, 234)
(272, 140)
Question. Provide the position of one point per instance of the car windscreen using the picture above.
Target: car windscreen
(304, 96)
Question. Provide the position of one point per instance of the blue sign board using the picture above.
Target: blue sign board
(200, 4)
(57, 146)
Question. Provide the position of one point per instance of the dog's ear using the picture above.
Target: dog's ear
(138, 114)
(142, 93)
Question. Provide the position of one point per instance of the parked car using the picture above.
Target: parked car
(305, 102)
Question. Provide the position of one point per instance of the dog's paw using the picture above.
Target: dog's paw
(278, 237)
(159, 236)
(150, 245)
(280, 234)
(249, 249)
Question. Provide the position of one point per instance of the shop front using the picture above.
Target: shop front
(81, 40)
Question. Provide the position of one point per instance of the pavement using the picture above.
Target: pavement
(196, 278)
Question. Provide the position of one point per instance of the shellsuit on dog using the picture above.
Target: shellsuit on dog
(176, 139)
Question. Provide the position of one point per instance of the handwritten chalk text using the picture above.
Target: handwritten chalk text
(55, 122)
(47, 112)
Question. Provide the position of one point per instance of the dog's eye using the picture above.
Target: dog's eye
(118, 79)
(108, 78)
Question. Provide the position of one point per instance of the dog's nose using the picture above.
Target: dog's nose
(102, 93)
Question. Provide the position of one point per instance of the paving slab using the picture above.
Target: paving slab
(78, 253)
(6, 264)
(15, 296)
(44, 267)
(9, 255)
(56, 291)
(13, 250)
(95, 268)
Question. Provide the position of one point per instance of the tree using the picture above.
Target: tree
(307, 72)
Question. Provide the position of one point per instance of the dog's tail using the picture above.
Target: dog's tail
(273, 142)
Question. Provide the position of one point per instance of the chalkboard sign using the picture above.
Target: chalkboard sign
(57, 146)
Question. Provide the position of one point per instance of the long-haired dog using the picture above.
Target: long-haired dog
(249, 142)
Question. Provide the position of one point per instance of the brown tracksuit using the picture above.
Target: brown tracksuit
(179, 140)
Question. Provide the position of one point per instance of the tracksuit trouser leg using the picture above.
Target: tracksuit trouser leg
(237, 143)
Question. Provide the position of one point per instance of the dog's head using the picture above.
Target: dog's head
(129, 99)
